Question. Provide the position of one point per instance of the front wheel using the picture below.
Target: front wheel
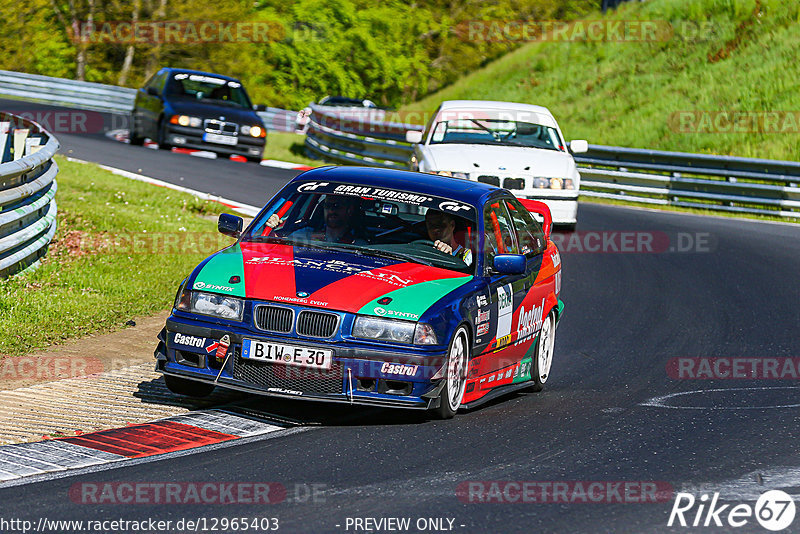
(456, 375)
(162, 135)
(544, 352)
(190, 388)
(133, 137)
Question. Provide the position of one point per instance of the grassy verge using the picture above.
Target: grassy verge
(287, 146)
(121, 249)
(723, 55)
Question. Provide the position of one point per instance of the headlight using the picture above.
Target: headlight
(393, 330)
(185, 120)
(210, 304)
(462, 175)
(553, 183)
(253, 131)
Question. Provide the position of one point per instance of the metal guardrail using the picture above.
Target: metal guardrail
(722, 183)
(101, 97)
(27, 193)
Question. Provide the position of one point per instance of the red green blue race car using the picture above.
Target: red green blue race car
(372, 286)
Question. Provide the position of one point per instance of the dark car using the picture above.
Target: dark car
(192, 109)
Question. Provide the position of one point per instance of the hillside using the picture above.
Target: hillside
(724, 56)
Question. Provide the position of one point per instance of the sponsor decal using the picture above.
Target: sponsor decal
(383, 312)
(235, 279)
(310, 186)
(284, 298)
(482, 329)
(212, 287)
(467, 257)
(482, 300)
(522, 372)
(399, 369)
(503, 341)
(386, 208)
(558, 283)
(287, 391)
(482, 316)
(382, 194)
(336, 266)
(556, 258)
(529, 322)
(189, 341)
(455, 207)
(385, 300)
(505, 309)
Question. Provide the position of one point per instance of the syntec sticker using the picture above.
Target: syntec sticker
(212, 287)
(505, 309)
(383, 312)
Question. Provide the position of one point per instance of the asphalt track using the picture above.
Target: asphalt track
(627, 315)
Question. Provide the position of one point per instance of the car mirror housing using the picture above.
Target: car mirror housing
(414, 136)
(509, 264)
(230, 225)
(578, 146)
(152, 91)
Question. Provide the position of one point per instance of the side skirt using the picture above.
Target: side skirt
(497, 392)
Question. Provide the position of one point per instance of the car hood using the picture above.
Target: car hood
(327, 279)
(487, 159)
(184, 106)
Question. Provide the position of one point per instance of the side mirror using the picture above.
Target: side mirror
(509, 263)
(230, 225)
(414, 136)
(152, 91)
(540, 208)
(259, 107)
(578, 146)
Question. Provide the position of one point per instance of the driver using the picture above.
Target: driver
(441, 227)
(339, 225)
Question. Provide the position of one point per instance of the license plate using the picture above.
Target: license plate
(219, 139)
(287, 354)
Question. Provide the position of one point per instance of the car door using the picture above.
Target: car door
(536, 288)
(149, 105)
(505, 294)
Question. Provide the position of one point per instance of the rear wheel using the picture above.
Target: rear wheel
(544, 352)
(190, 388)
(133, 136)
(455, 375)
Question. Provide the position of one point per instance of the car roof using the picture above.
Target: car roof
(459, 189)
(173, 70)
(493, 105)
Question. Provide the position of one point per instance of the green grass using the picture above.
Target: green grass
(725, 55)
(86, 284)
(287, 146)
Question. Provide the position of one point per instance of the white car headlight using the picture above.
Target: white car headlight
(454, 174)
(186, 120)
(393, 330)
(253, 131)
(212, 304)
(553, 183)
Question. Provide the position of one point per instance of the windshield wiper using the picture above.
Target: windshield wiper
(396, 255)
(493, 133)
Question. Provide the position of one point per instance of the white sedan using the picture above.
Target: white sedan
(515, 146)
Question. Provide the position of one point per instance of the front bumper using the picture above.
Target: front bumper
(563, 210)
(359, 375)
(187, 137)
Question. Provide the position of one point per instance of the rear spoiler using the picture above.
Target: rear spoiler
(534, 206)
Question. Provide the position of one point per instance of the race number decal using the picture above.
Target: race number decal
(505, 309)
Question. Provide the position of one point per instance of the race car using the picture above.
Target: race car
(516, 146)
(366, 286)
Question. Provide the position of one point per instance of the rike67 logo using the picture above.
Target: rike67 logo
(774, 510)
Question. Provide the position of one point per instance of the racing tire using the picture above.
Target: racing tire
(162, 134)
(189, 388)
(455, 376)
(544, 352)
(134, 139)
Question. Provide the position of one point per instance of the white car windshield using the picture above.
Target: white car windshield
(496, 132)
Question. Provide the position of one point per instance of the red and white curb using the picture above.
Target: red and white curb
(180, 433)
(122, 136)
(246, 209)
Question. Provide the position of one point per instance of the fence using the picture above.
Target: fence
(27, 193)
(722, 183)
(101, 97)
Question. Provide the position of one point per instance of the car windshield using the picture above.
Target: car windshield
(402, 225)
(208, 89)
(496, 132)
